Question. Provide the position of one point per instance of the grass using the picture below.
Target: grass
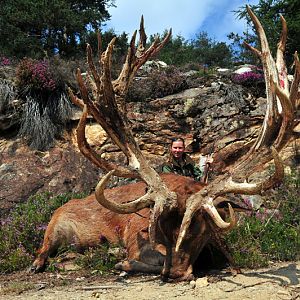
(101, 259)
(7, 94)
(16, 288)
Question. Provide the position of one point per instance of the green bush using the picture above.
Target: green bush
(101, 259)
(158, 83)
(22, 232)
(270, 234)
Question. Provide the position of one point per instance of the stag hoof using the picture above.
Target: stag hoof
(34, 269)
(123, 266)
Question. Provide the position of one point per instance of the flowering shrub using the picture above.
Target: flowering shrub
(35, 74)
(270, 233)
(47, 107)
(4, 61)
(21, 232)
(247, 77)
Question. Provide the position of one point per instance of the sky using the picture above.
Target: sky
(185, 17)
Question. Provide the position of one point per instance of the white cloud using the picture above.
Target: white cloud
(185, 17)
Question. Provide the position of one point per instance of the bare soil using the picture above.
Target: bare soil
(280, 281)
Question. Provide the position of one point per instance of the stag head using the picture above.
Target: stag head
(104, 99)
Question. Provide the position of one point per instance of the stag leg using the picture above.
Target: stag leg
(47, 249)
(150, 261)
(141, 257)
(138, 267)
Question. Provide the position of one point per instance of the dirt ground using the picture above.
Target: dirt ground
(280, 281)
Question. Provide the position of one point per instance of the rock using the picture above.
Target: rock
(224, 71)
(153, 65)
(192, 284)
(24, 172)
(202, 282)
(242, 70)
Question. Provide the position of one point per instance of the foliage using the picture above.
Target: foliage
(176, 52)
(120, 46)
(202, 50)
(158, 83)
(22, 231)
(270, 234)
(166, 82)
(38, 28)
(241, 54)
(209, 52)
(100, 259)
(46, 108)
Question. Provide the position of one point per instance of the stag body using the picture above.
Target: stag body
(84, 223)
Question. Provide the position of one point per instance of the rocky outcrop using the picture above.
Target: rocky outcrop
(217, 117)
(24, 172)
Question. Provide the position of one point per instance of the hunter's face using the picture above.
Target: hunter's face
(177, 149)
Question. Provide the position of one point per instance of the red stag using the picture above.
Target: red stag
(178, 217)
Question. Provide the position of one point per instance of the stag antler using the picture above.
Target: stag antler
(106, 103)
(277, 128)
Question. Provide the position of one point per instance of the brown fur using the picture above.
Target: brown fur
(85, 223)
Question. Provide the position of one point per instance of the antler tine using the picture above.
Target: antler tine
(260, 31)
(288, 109)
(282, 42)
(269, 66)
(294, 93)
(198, 202)
(254, 50)
(88, 152)
(135, 59)
(107, 96)
(99, 40)
(124, 208)
(92, 66)
(192, 206)
(75, 100)
(154, 49)
(143, 38)
(280, 62)
(255, 188)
